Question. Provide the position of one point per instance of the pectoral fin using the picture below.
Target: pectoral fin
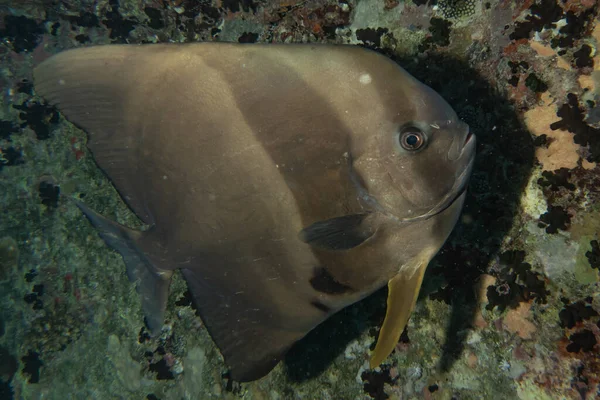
(403, 291)
(341, 233)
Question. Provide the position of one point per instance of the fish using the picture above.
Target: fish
(284, 181)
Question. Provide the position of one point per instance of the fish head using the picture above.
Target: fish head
(419, 158)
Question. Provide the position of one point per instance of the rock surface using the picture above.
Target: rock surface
(509, 308)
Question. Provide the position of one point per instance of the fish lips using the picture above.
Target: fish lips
(466, 159)
(463, 142)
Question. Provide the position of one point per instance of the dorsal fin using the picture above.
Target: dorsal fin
(92, 88)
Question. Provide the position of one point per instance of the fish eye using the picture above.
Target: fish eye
(412, 139)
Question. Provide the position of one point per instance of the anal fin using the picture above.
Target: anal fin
(403, 291)
(153, 283)
(252, 340)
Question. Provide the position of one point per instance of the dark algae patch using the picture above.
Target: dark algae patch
(6, 392)
(10, 156)
(21, 33)
(374, 381)
(7, 128)
(556, 180)
(584, 341)
(248, 37)
(30, 276)
(545, 14)
(49, 194)
(83, 39)
(439, 34)
(25, 86)
(39, 117)
(572, 119)
(593, 255)
(31, 366)
(516, 283)
(371, 37)
(577, 312)
(156, 18)
(87, 20)
(240, 5)
(119, 26)
(534, 83)
(554, 219)
(162, 370)
(8, 368)
(583, 57)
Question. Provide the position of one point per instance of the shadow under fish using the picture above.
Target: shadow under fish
(286, 182)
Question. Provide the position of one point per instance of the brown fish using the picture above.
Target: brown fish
(285, 181)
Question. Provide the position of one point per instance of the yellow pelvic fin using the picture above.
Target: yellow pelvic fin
(403, 290)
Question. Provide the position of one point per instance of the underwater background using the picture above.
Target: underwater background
(509, 308)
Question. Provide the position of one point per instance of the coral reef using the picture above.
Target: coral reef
(510, 307)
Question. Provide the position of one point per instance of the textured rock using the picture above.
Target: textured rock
(509, 308)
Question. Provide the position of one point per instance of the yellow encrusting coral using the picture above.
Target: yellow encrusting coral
(562, 150)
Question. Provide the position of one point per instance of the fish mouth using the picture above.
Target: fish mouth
(461, 142)
(468, 139)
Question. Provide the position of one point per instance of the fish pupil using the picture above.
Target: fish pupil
(412, 140)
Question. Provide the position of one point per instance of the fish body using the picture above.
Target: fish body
(284, 181)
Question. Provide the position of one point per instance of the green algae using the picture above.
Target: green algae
(529, 389)
(584, 273)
